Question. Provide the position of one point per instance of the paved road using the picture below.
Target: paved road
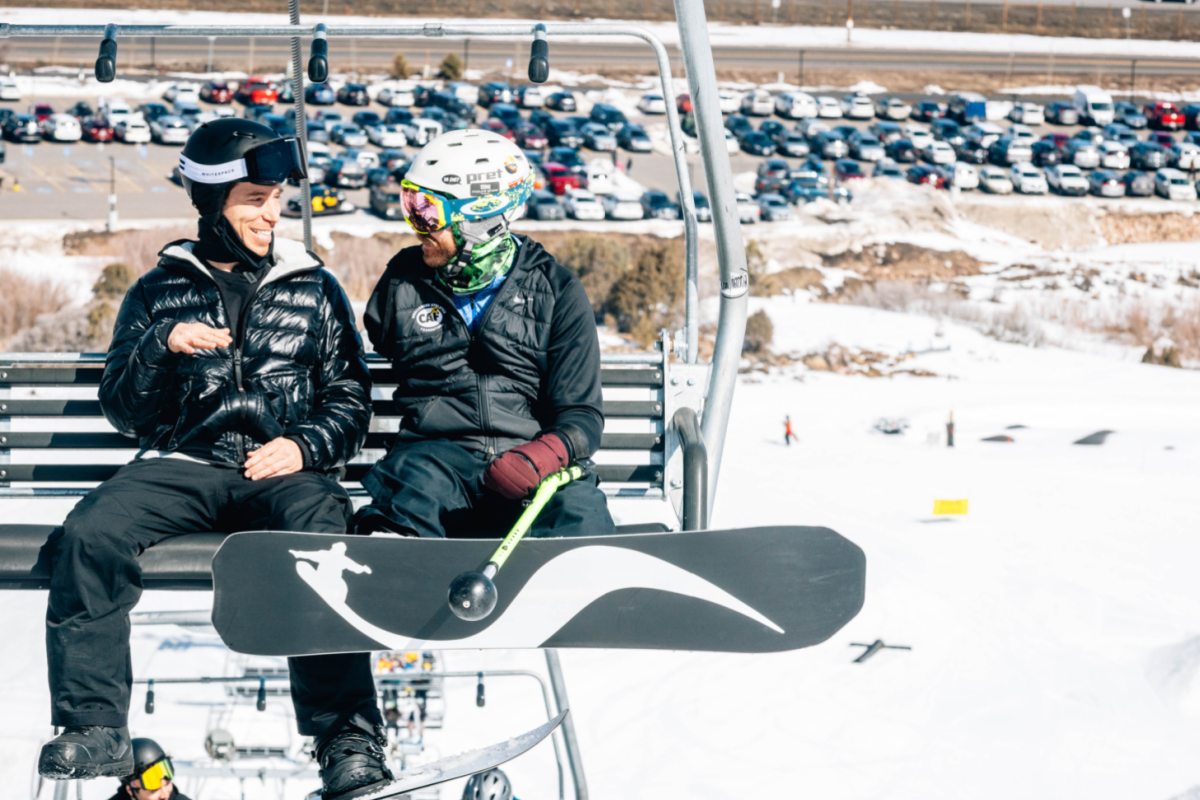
(357, 55)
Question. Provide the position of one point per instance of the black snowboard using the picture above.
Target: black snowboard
(750, 590)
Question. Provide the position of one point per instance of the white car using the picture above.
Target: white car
(828, 108)
(132, 130)
(62, 128)
(652, 104)
(938, 153)
(857, 106)
(387, 136)
(1173, 185)
(117, 111)
(1184, 155)
(1115, 155)
(731, 143)
(187, 92)
(190, 112)
(170, 129)
(758, 103)
(9, 90)
(892, 108)
(600, 176)
(966, 176)
(983, 132)
(1066, 179)
(617, 206)
(1028, 179)
(795, 105)
(209, 116)
(1021, 133)
(534, 97)
(400, 96)
(920, 137)
(421, 131)
(1027, 114)
(367, 159)
(582, 204)
(729, 101)
(748, 210)
(994, 181)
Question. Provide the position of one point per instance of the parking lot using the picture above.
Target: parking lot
(73, 180)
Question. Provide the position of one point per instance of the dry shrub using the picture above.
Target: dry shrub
(1169, 330)
(900, 261)
(760, 331)
(598, 261)
(649, 297)
(359, 261)
(23, 299)
(139, 248)
(451, 67)
(400, 68)
(1138, 228)
(1006, 325)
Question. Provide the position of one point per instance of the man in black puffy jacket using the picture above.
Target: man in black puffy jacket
(237, 366)
(495, 352)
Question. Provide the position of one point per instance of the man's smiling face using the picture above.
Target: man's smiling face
(253, 212)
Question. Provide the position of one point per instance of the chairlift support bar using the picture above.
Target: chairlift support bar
(701, 76)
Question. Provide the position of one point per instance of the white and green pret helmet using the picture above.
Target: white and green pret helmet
(474, 182)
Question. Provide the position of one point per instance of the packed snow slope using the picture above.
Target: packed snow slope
(1055, 629)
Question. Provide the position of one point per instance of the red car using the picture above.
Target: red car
(97, 129)
(559, 178)
(256, 91)
(683, 103)
(530, 137)
(216, 92)
(1161, 138)
(1058, 139)
(42, 111)
(496, 126)
(1163, 115)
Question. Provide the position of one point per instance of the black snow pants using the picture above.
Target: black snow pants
(96, 580)
(434, 487)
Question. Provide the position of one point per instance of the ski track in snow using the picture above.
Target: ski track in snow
(1054, 630)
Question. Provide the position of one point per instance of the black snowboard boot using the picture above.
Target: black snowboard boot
(352, 760)
(87, 751)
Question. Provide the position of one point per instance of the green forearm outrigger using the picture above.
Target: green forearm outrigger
(473, 594)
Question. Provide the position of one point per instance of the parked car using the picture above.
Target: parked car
(938, 153)
(948, 131)
(657, 205)
(748, 209)
(1173, 185)
(387, 135)
(892, 108)
(928, 111)
(1163, 115)
(846, 169)
(561, 101)
(367, 159)
(757, 103)
(9, 89)
(531, 96)
(927, 174)
(621, 206)
(757, 143)
(1105, 183)
(132, 130)
(1147, 156)
(1027, 113)
(901, 150)
(41, 111)
(865, 147)
(353, 94)
(258, 111)
(971, 152)
(545, 206)
(634, 139)
(1028, 179)
(791, 143)
(1007, 151)
(255, 92)
(559, 178)
(994, 180)
(326, 201)
(495, 92)
(701, 204)
(828, 108)
(186, 91)
(1060, 112)
(23, 129)
(983, 132)
(348, 134)
(1129, 114)
(886, 131)
(795, 105)
(319, 94)
(170, 130)
(498, 127)
(1163, 139)
(1066, 179)
(1045, 153)
(346, 173)
(398, 96)
(830, 144)
(152, 111)
(1184, 156)
(582, 204)
(774, 208)
(62, 128)
(964, 176)
(97, 129)
(1138, 183)
(81, 110)
(1022, 132)
(857, 106)
(1114, 155)
(385, 200)
(652, 103)
(887, 169)
(530, 137)
(1082, 153)
(365, 119)
(920, 137)
(608, 115)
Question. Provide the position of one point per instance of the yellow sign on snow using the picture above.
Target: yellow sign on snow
(944, 507)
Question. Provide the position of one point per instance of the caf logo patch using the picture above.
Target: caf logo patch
(429, 317)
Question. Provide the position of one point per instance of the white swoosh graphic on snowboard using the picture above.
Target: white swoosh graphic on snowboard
(551, 598)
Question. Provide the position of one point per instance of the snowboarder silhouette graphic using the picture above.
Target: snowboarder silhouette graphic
(326, 577)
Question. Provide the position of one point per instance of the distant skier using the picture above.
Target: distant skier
(788, 436)
(496, 354)
(153, 776)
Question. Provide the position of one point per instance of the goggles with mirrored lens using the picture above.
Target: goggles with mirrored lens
(426, 211)
(152, 778)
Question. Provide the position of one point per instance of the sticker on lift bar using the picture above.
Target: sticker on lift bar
(737, 285)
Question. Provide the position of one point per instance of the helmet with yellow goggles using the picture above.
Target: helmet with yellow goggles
(151, 766)
(153, 776)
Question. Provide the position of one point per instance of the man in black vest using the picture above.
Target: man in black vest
(496, 355)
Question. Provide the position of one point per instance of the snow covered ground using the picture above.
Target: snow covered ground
(1056, 648)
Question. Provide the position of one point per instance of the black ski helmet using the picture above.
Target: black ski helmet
(146, 753)
(490, 785)
(229, 150)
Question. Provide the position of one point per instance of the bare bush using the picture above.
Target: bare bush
(1007, 325)
(649, 297)
(139, 248)
(1158, 326)
(598, 261)
(760, 331)
(23, 299)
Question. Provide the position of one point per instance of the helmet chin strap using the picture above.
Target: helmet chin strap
(473, 233)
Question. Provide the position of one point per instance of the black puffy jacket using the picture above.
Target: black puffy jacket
(532, 366)
(297, 370)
